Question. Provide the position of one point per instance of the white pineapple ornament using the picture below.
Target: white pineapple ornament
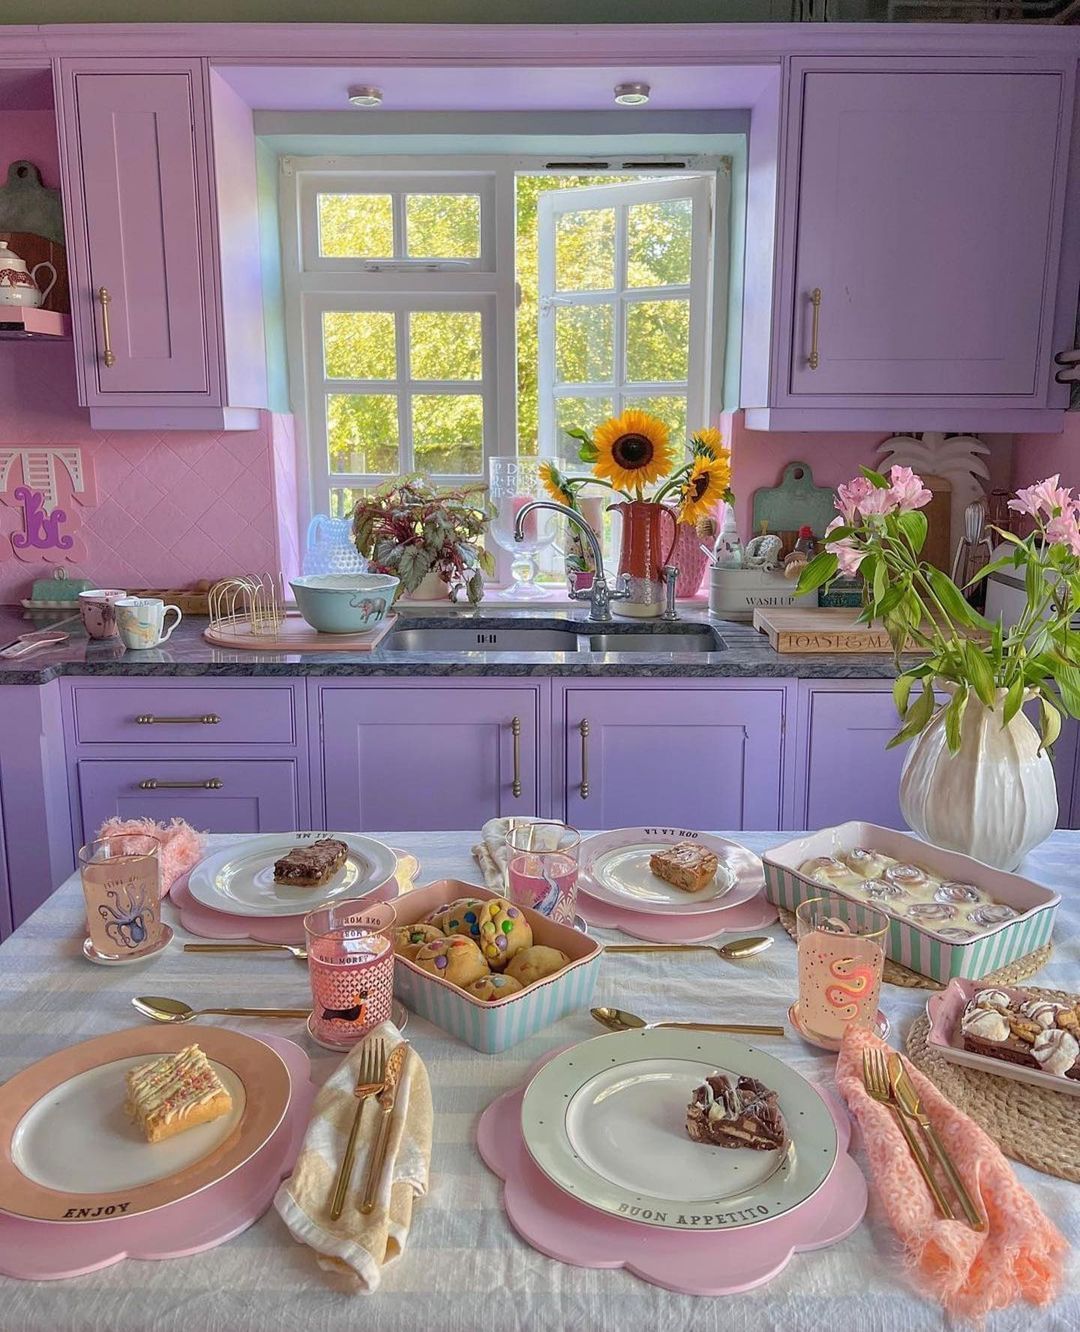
(958, 458)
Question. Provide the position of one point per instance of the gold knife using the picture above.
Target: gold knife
(395, 1066)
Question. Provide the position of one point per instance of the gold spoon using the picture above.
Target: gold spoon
(730, 952)
(175, 1010)
(297, 950)
(618, 1019)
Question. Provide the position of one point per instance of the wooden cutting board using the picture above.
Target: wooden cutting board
(296, 635)
(796, 629)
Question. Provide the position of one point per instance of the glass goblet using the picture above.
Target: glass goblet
(513, 483)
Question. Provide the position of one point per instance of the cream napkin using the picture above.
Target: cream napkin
(491, 853)
(354, 1247)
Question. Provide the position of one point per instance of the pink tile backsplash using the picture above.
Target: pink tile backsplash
(173, 506)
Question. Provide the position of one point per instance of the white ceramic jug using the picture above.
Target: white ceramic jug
(18, 284)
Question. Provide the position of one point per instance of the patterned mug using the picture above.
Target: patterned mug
(141, 621)
(98, 610)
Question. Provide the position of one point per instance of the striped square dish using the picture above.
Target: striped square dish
(919, 947)
(495, 1025)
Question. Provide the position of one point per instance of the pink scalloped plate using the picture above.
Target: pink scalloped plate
(712, 1263)
(51, 1250)
(210, 924)
(752, 915)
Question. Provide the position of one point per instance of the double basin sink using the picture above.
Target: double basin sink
(578, 637)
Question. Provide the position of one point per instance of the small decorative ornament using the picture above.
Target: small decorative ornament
(48, 485)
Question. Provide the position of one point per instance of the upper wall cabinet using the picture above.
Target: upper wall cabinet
(166, 299)
(920, 280)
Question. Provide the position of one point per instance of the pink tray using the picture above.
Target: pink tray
(210, 924)
(52, 1250)
(754, 914)
(719, 1263)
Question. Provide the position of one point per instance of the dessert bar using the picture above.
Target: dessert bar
(174, 1093)
(312, 865)
(746, 1114)
(685, 865)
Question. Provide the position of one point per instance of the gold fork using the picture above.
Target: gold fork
(876, 1082)
(369, 1081)
(904, 1091)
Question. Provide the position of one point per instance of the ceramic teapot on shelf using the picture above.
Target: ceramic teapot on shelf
(19, 284)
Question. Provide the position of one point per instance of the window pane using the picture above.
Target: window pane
(445, 344)
(584, 344)
(448, 433)
(658, 243)
(356, 226)
(585, 250)
(582, 414)
(362, 433)
(359, 344)
(343, 501)
(442, 226)
(670, 408)
(657, 341)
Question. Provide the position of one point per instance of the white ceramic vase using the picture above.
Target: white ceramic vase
(994, 799)
(432, 587)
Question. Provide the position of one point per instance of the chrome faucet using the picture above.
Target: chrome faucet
(599, 595)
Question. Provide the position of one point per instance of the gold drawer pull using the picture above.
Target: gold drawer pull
(814, 360)
(148, 719)
(584, 730)
(515, 731)
(152, 784)
(108, 356)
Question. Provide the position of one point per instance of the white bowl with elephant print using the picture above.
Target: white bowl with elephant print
(344, 603)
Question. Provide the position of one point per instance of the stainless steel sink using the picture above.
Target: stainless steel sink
(687, 639)
(514, 638)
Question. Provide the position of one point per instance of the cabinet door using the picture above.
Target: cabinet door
(849, 772)
(928, 215)
(693, 758)
(256, 796)
(139, 171)
(402, 759)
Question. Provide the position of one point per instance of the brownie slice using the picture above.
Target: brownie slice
(311, 865)
(744, 1115)
(685, 865)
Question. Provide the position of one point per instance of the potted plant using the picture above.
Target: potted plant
(978, 777)
(411, 528)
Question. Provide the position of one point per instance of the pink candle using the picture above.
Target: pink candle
(529, 531)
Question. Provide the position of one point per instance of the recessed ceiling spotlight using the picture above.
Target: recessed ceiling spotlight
(363, 94)
(632, 94)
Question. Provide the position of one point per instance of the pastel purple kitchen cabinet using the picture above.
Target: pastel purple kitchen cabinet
(425, 754)
(695, 754)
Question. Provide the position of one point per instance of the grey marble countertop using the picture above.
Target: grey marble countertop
(741, 652)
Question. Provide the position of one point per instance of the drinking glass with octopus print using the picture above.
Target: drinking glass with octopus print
(841, 947)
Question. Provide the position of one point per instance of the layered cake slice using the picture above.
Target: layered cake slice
(311, 865)
(746, 1114)
(174, 1093)
(1018, 1029)
(685, 865)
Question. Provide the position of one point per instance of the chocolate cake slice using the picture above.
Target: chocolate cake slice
(744, 1115)
(311, 865)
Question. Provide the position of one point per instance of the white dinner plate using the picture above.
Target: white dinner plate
(614, 868)
(239, 879)
(606, 1122)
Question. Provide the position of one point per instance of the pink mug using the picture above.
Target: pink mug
(98, 610)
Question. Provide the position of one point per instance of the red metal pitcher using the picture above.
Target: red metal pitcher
(642, 556)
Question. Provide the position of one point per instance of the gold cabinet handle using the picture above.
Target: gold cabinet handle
(584, 731)
(108, 356)
(515, 731)
(152, 784)
(814, 360)
(148, 719)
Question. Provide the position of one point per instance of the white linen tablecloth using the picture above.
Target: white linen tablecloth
(465, 1270)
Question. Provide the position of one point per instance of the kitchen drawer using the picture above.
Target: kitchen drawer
(258, 795)
(127, 712)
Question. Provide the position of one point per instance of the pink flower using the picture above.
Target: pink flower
(907, 490)
(850, 497)
(877, 502)
(1045, 497)
(1066, 529)
(845, 550)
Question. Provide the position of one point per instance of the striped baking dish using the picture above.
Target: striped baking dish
(918, 946)
(496, 1025)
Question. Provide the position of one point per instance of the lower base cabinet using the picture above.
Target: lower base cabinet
(214, 795)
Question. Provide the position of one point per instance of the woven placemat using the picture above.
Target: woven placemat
(1013, 973)
(1030, 1124)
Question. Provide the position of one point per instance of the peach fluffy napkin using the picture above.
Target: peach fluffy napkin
(181, 845)
(1018, 1256)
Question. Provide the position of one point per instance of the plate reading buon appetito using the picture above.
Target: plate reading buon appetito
(606, 1122)
(239, 879)
(615, 869)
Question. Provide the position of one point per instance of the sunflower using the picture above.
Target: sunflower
(632, 450)
(707, 440)
(555, 484)
(706, 485)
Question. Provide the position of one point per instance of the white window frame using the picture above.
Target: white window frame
(312, 284)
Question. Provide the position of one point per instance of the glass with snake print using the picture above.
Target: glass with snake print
(841, 956)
